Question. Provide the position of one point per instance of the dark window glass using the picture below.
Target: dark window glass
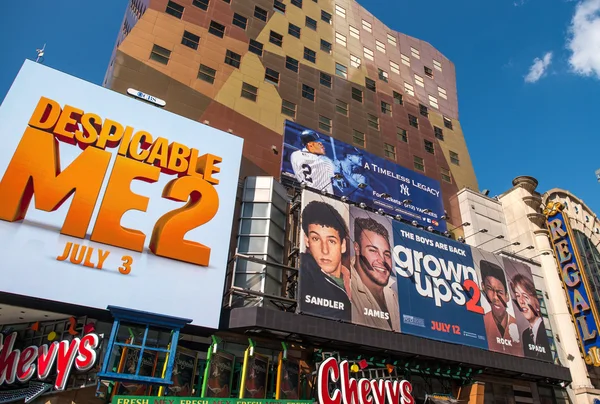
(310, 55)
(190, 40)
(308, 92)
(325, 16)
(291, 63)
(250, 92)
(255, 47)
(294, 30)
(239, 21)
(276, 38)
(233, 59)
(216, 29)
(279, 6)
(439, 133)
(310, 23)
(297, 3)
(260, 13)
(325, 46)
(271, 76)
(160, 54)
(357, 94)
(413, 121)
(207, 74)
(423, 110)
(201, 4)
(370, 84)
(174, 9)
(325, 80)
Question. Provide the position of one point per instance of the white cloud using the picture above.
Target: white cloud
(584, 39)
(539, 67)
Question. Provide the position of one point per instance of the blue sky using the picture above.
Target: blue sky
(517, 121)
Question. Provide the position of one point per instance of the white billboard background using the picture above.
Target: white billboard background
(28, 249)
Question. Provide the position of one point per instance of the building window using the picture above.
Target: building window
(325, 79)
(341, 107)
(423, 110)
(227, 1)
(310, 23)
(341, 70)
(201, 4)
(216, 29)
(429, 146)
(291, 64)
(383, 75)
(239, 21)
(174, 9)
(419, 80)
(398, 98)
(271, 76)
(391, 39)
(370, 84)
(358, 138)
(354, 61)
(369, 53)
(249, 92)
(354, 32)
(445, 173)
(341, 11)
(415, 53)
(260, 13)
(275, 38)
(442, 93)
(325, 46)
(255, 47)
(373, 121)
(160, 54)
(402, 135)
(308, 92)
(454, 158)
(325, 124)
(437, 65)
(409, 89)
(279, 6)
(294, 30)
(233, 59)
(297, 3)
(151, 335)
(207, 74)
(428, 72)
(438, 132)
(418, 163)
(310, 55)
(448, 123)
(357, 94)
(380, 46)
(367, 26)
(433, 102)
(389, 151)
(413, 121)
(341, 39)
(325, 16)
(190, 40)
(405, 59)
(386, 108)
(288, 108)
(394, 67)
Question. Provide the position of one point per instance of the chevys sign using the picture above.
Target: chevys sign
(574, 280)
(362, 391)
(21, 365)
(103, 189)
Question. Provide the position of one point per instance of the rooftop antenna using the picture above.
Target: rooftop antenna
(40, 54)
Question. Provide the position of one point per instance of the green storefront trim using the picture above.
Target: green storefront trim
(198, 400)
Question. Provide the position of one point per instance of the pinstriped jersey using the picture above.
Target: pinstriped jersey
(315, 170)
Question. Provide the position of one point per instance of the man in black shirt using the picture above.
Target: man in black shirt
(324, 282)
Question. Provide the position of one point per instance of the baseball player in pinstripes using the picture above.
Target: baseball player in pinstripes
(311, 165)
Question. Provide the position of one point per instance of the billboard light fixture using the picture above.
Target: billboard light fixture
(362, 185)
(398, 217)
(380, 211)
(344, 199)
(406, 202)
(362, 205)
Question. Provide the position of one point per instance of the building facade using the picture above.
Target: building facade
(316, 287)
(248, 66)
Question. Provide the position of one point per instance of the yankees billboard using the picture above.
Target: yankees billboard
(323, 163)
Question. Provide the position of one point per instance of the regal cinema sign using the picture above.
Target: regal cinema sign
(362, 391)
(20, 365)
(574, 280)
